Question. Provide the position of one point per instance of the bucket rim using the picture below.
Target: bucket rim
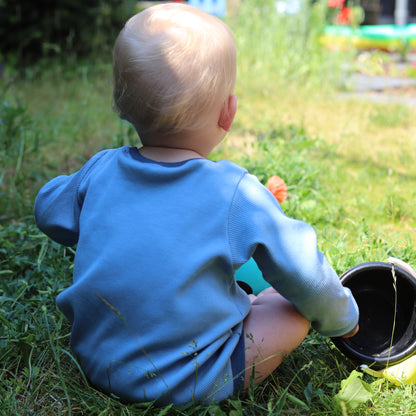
(342, 343)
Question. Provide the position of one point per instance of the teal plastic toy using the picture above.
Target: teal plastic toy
(250, 274)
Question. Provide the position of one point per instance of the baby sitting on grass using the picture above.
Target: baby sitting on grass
(160, 230)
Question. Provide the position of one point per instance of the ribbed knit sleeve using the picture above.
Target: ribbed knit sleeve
(285, 251)
(58, 204)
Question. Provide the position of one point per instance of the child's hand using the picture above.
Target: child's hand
(351, 334)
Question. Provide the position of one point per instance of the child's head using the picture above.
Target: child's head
(172, 64)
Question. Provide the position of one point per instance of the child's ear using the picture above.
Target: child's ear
(228, 112)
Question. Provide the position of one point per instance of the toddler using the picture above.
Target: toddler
(160, 230)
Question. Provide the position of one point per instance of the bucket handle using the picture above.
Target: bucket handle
(403, 265)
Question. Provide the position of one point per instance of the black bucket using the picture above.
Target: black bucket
(386, 297)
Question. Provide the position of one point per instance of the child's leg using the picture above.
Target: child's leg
(273, 329)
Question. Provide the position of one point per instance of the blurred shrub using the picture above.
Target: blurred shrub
(30, 30)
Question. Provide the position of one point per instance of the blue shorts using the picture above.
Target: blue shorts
(238, 359)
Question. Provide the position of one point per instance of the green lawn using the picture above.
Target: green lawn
(349, 166)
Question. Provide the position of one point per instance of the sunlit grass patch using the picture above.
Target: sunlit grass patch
(348, 164)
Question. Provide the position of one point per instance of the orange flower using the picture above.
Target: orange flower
(344, 16)
(277, 186)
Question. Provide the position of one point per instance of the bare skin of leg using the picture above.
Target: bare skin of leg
(273, 329)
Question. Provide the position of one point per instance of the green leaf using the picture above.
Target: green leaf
(354, 391)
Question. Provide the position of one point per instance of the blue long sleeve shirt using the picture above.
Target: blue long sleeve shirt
(154, 306)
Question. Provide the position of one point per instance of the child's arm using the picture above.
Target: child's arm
(57, 209)
(58, 205)
(286, 252)
(301, 273)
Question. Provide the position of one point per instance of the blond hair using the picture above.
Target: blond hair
(172, 63)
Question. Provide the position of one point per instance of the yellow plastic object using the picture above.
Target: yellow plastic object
(402, 373)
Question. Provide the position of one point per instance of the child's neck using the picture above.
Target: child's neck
(168, 154)
(183, 145)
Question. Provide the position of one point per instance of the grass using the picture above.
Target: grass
(347, 162)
